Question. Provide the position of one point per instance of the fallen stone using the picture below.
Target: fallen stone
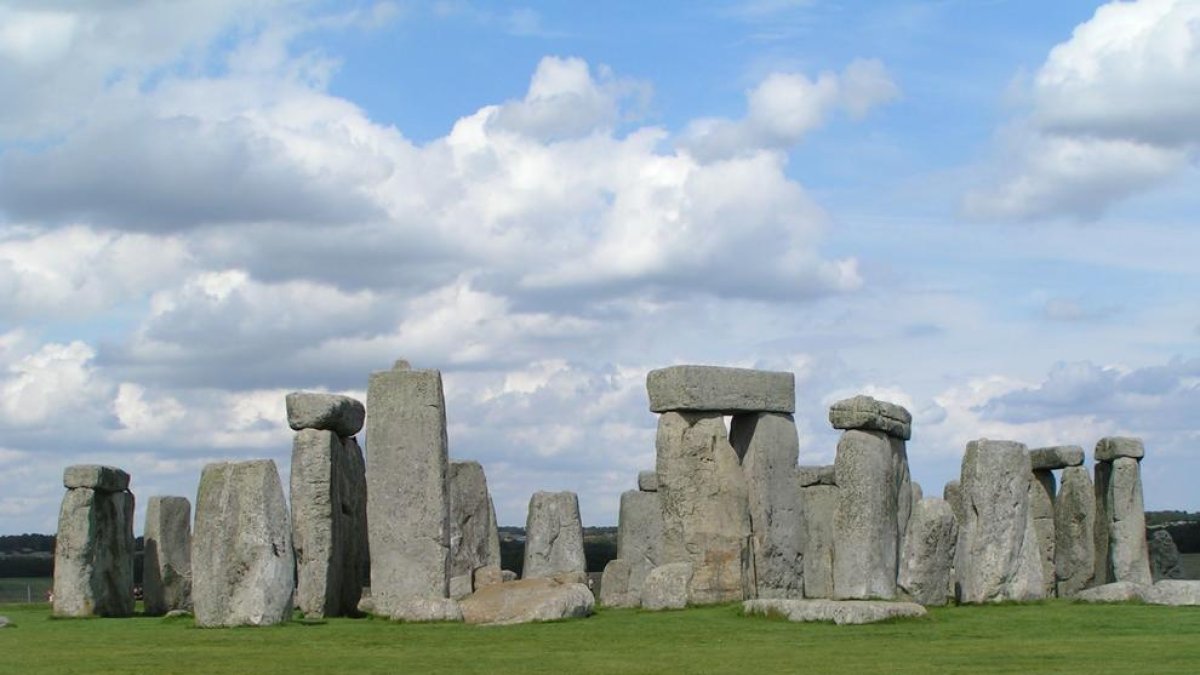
(868, 414)
(1118, 591)
(928, 556)
(1074, 528)
(96, 477)
(874, 503)
(474, 537)
(819, 502)
(1055, 457)
(526, 601)
(167, 559)
(648, 481)
(717, 389)
(342, 415)
(816, 475)
(1165, 562)
(1121, 553)
(1041, 506)
(243, 570)
(408, 513)
(487, 576)
(93, 554)
(1174, 592)
(424, 610)
(1112, 447)
(553, 536)
(666, 586)
(840, 612)
(769, 447)
(639, 543)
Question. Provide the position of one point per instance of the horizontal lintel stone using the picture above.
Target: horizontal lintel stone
(719, 389)
(1056, 457)
(869, 414)
(96, 477)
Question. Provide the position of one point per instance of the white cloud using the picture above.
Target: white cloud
(55, 382)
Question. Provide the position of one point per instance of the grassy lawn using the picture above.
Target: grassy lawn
(1055, 636)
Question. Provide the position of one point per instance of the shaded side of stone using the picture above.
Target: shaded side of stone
(1165, 562)
(928, 559)
(472, 522)
(93, 554)
(95, 477)
(1041, 505)
(167, 559)
(1074, 527)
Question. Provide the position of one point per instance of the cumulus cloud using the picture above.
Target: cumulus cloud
(1115, 112)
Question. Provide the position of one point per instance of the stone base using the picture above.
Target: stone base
(527, 601)
(840, 612)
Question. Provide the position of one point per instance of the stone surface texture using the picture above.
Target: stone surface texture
(769, 447)
(342, 415)
(869, 414)
(1121, 553)
(474, 537)
(703, 493)
(1118, 591)
(928, 556)
(1074, 525)
(553, 536)
(639, 542)
(816, 475)
(93, 554)
(840, 612)
(819, 504)
(167, 559)
(666, 586)
(718, 389)
(1055, 457)
(648, 481)
(424, 610)
(95, 477)
(1112, 447)
(1174, 592)
(998, 556)
(408, 513)
(1164, 557)
(1042, 491)
(526, 601)
(242, 563)
(614, 585)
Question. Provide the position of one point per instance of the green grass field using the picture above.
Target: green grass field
(1055, 636)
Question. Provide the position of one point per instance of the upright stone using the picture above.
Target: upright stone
(167, 561)
(874, 502)
(1164, 557)
(93, 554)
(243, 570)
(1041, 504)
(408, 513)
(769, 448)
(553, 536)
(474, 539)
(328, 486)
(998, 556)
(928, 559)
(1121, 553)
(819, 502)
(1074, 525)
(639, 548)
(706, 520)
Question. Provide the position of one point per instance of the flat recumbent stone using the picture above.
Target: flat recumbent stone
(720, 389)
(869, 414)
(1056, 457)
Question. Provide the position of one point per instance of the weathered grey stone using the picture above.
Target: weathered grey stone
(242, 564)
(528, 600)
(666, 586)
(93, 554)
(342, 415)
(769, 447)
(1174, 592)
(917, 493)
(614, 585)
(1121, 553)
(461, 585)
(819, 502)
(648, 481)
(4, 622)
(1164, 557)
(486, 576)
(1112, 447)
(1118, 591)
(329, 522)
(474, 538)
(998, 556)
(816, 475)
(639, 543)
(840, 612)
(95, 477)
(928, 556)
(874, 503)
(1074, 527)
(952, 493)
(1041, 506)
(1055, 457)
(365, 604)
(703, 493)
(717, 389)
(868, 414)
(408, 513)
(508, 575)
(553, 536)
(423, 610)
(167, 560)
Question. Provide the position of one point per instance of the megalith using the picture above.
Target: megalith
(342, 415)
(553, 536)
(1042, 491)
(928, 557)
(408, 513)
(1121, 553)
(474, 537)
(819, 499)
(874, 496)
(243, 569)
(1164, 557)
(1074, 528)
(93, 552)
(998, 556)
(167, 560)
(639, 549)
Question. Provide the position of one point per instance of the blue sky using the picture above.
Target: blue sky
(982, 211)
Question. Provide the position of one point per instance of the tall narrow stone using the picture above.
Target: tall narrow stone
(998, 556)
(706, 520)
(167, 561)
(874, 502)
(819, 504)
(769, 448)
(93, 554)
(408, 513)
(928, 557)
(474, 539)
(553, 536)
(328, 486)
(1074, 525)
(639, 548)
(1041, 505)
(1121, 553)
(243, 569)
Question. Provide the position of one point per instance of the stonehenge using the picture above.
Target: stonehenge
(167, 563)
(474, 537)
(553, 536)
(1121, 553)
(93, 555)
(639, 546)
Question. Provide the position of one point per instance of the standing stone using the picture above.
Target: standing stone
(639, 549)
(1074, 524)
(1041, 506)
(769, 447)
(874, 502)
(93, 554)
(167, 562)
(243, 570)
(408, 513)
(819, 502)
(706, 520)
(614, 585)
(328, 523)
(952, 493)
(666, 587)
(1121, 553)
(1164, 557)
(474, 538)
(553, 536)
(998, 556)
(925, 569)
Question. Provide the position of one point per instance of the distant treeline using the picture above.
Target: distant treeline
(27, 543)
